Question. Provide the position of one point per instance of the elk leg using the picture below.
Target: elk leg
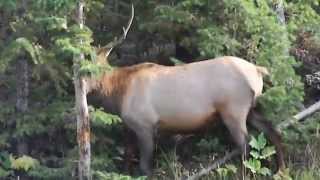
(130, 150)
(144, 134)
(146, 146)
(236, 124)
(238, 130)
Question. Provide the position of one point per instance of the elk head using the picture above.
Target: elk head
(101, 86)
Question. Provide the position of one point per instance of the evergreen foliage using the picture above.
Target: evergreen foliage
(44, 33)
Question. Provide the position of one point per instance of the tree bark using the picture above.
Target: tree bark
(279, 9)
(83, 123)
(22, 70)
(83, 129)
(22, 88)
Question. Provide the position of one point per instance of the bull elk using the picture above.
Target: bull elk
(151, 97)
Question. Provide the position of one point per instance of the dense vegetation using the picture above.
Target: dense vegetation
(38, 40)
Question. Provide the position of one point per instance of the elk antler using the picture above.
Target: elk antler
(117, 41)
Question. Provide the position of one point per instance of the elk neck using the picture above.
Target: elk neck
(102, 92)
(109, 89)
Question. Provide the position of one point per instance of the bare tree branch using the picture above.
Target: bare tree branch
(298, 117)
(216, 164)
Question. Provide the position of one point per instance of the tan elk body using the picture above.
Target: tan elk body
(150, 97)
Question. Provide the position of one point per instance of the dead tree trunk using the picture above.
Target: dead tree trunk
(22, 87)
(280, 11)
(83, 123)
(22, 70)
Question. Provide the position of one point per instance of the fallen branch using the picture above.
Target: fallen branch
(216, 164)
(298, 117)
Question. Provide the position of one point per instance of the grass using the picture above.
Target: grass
(302, 157)
(182, 159)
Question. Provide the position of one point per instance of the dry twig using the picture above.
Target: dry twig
(216, 164)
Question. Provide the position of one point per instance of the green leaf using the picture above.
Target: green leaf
(255, 154)
(265, 171)
(231, 168)
(52, 22)
(4, 173)
(252, 164)
(29, 47)
(100, 117)
(89, 68)
(258, 143)
(222, 171)
(254, 143)
(267, 152)
(24, 163)
(5, 160)
(65, 45)
(262, 141)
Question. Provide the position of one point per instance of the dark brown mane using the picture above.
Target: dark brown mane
(112, 87)
(122, 77)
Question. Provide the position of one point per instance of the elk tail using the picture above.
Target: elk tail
(262, 70)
